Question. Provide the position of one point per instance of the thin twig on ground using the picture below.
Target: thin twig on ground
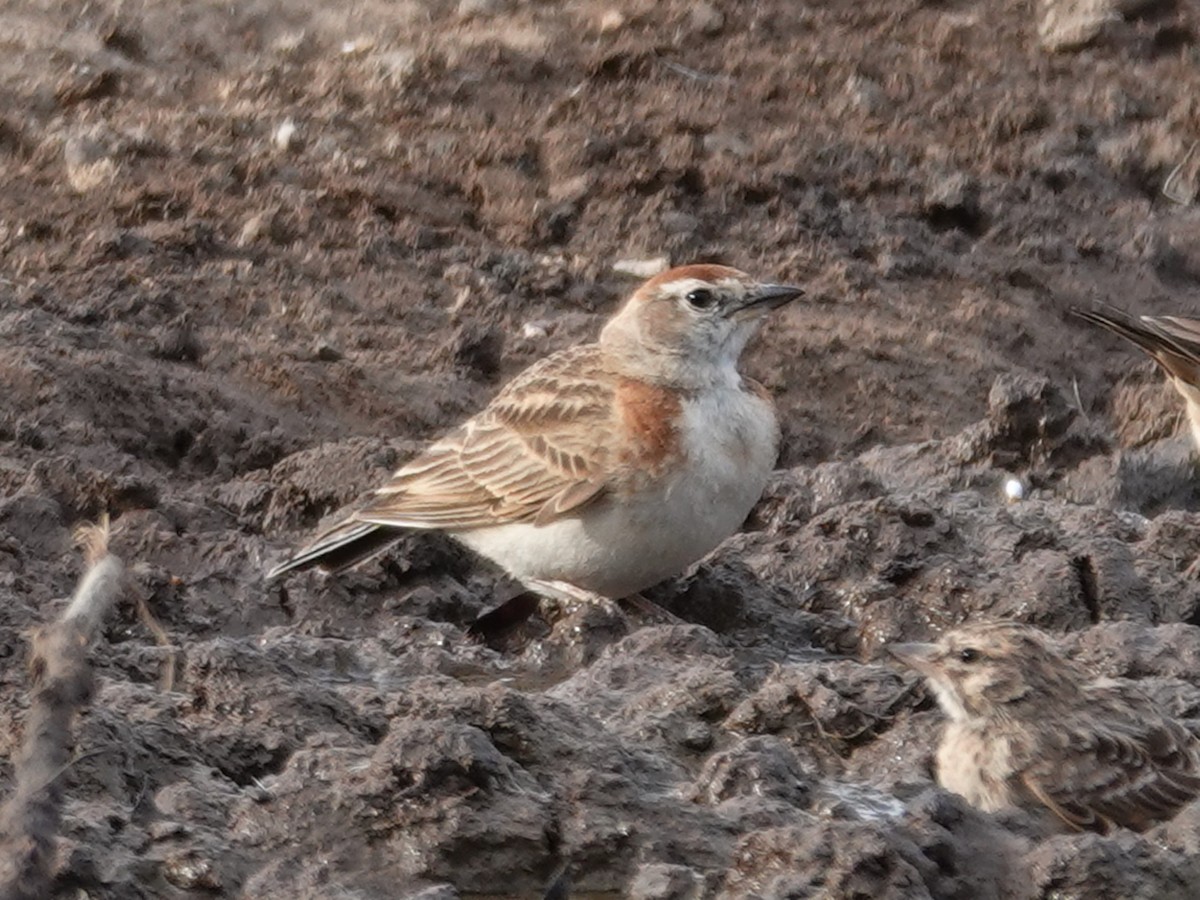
(62, 686)
(1170, 188)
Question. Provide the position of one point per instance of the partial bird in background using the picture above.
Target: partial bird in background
(1171, 341)
(1030, 728)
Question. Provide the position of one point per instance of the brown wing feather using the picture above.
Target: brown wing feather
(1132, 774)
(1073, 814)
(525, 458)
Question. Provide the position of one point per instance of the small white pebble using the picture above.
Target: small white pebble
(532, 330)
(357, 45)
(707, 19)
(469, 8)
(90, 159)
(285, 134)
(1069, 25)
(463, 295)
(256, 227)
(1014, 490)
(397, 66)
(612, 20)
(289, 42)
(642, 268)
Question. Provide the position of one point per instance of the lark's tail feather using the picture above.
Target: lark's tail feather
(340, 547)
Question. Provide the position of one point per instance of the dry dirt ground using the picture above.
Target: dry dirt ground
(252, 254)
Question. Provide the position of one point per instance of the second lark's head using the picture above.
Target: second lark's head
(688, 326)
(995, 670)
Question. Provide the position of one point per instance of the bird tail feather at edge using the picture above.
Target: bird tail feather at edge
(340, 547)
(1120, 322)
(1150, 337)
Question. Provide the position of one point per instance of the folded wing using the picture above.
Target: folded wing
(540, 450)
(1132, 775)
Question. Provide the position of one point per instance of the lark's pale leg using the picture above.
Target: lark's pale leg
(636, 603)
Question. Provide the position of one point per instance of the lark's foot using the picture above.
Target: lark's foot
(510, 616)
(634, 604)
(569, 595)
(505, 619)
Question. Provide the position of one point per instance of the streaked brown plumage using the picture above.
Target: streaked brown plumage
(1028, 727)
(604, 467)
(1171, 341)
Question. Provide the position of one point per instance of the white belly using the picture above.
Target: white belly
(975, 766)
(616, 547)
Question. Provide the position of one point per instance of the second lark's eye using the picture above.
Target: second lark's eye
(701, 298)
(968, 654)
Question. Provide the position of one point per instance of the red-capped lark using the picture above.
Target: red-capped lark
(1171, 341)
(1030, 728)
(606, 467)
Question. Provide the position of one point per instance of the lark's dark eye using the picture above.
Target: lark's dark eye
(968, 654)
(701, 298)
